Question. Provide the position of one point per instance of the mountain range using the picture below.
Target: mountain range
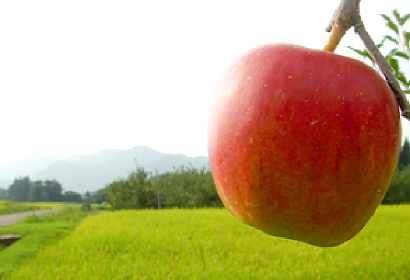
(81, 173)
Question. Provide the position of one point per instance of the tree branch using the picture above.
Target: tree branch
(383, 65)
(348, 15)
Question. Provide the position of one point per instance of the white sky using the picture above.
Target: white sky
(79, 76)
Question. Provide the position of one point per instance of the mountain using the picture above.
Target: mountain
(167, 162)
(144, 155)
(97, 159)
(30, 166)
(83, 173)
(73, 177)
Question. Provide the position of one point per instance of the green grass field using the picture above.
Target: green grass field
(37, 233)
(8, 208)
(212, 244)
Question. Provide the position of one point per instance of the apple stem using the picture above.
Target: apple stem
(341, 21)
(348, 15)
(335, 36)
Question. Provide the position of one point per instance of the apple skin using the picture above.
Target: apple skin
(303, 143)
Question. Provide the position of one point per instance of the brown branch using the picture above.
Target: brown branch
(348, 15)
(383, 65)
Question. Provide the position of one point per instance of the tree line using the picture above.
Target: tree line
(23, 189)
(183, 187)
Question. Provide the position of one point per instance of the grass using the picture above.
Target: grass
(8, 208)
(37, 232)
(212, 244)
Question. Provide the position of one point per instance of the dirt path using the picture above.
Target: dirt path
(6, 220)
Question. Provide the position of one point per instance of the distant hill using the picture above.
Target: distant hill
(83, 173)
(24, 167)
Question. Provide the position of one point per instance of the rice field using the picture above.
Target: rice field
(44, 205)
(7, 207)
(212, 244)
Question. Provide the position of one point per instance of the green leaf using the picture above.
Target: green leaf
(390, 24)
(403, 20)
(402, 54)
(379, 45)
(366, 53)
(394, 64)
(386, 17)
(406, 36)
(391, 53)
(396, 14)
(391, 39)
(393, 27)
(356, 51)
(363, 53)
(401, 78)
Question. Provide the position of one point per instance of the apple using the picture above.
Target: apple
(303, 143)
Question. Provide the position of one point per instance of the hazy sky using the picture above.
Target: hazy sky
(81, 76)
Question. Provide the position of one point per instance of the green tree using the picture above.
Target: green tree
(100, 196)
(404, 159)
(70, 196)
(55, 190)
(187, 187)
(37, 192)
(20, 189)
(51, 191)
(131, 193)
(184, 187)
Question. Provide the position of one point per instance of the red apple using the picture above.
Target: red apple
(303, 143)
